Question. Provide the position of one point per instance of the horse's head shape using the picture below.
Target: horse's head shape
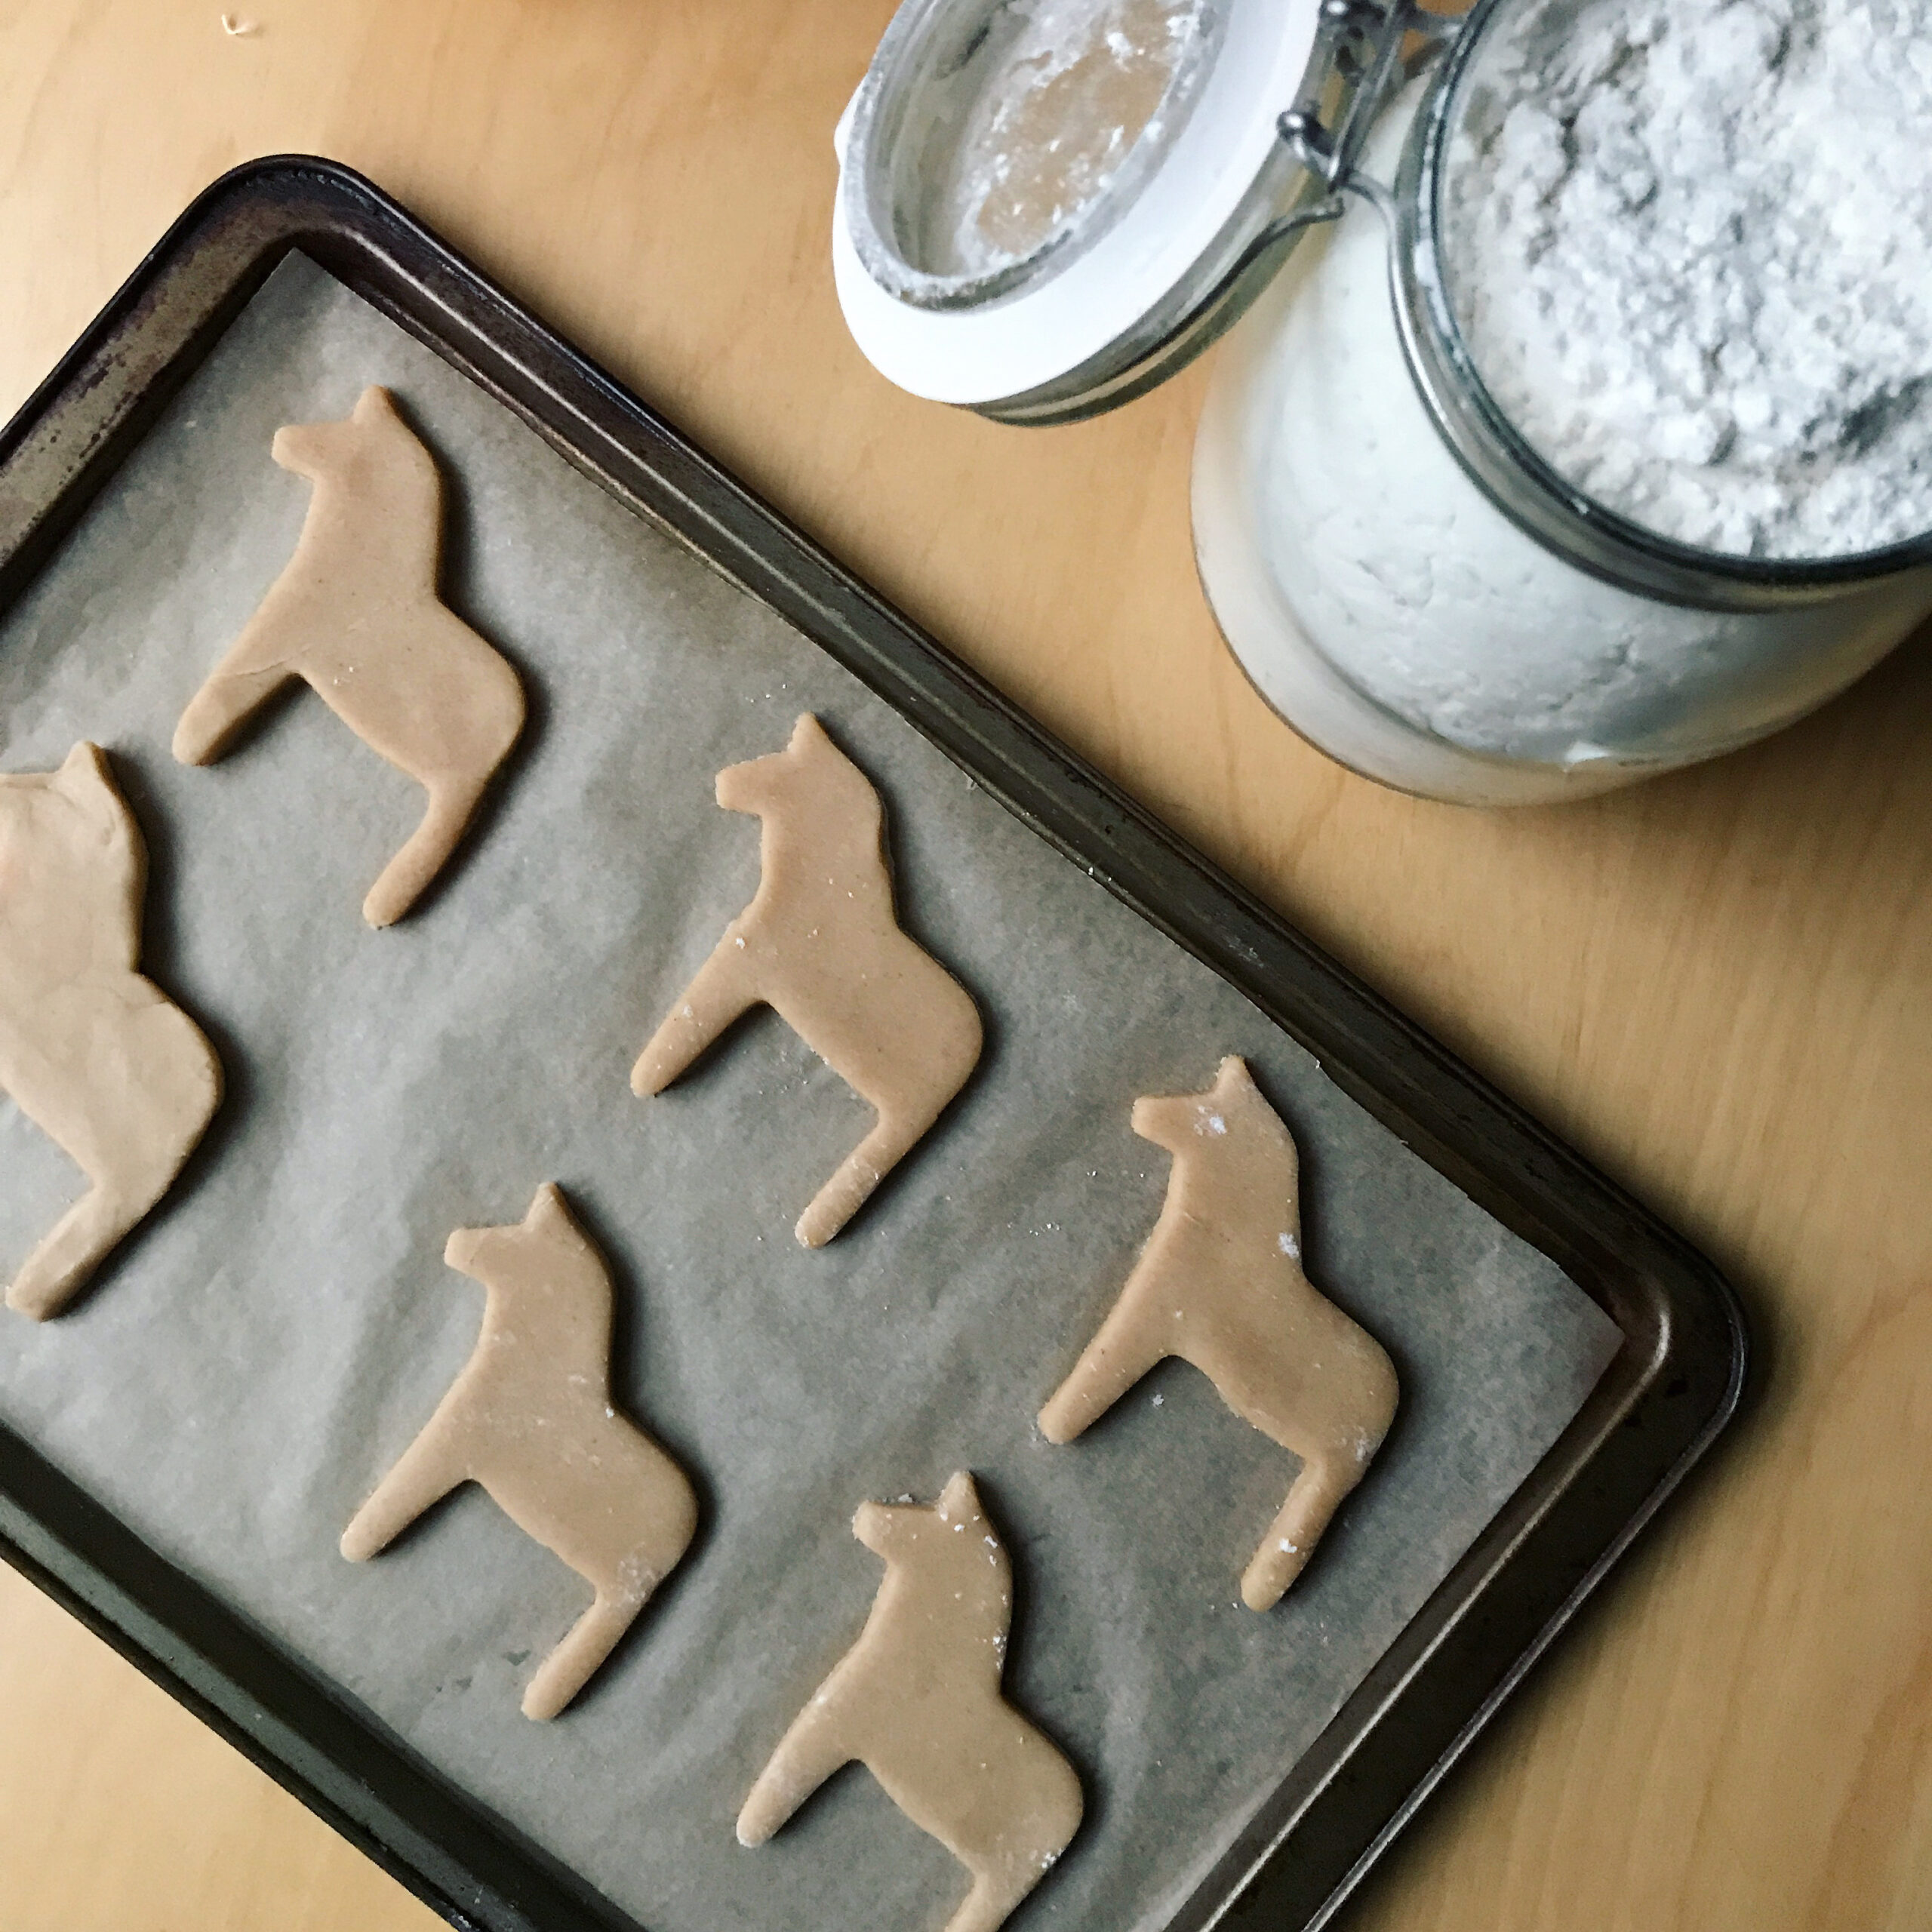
(372, 441)
(810, 766)
(68, 845)
(1183, 1123)
(951, 1531)
(948, 1582)
(533, 1252)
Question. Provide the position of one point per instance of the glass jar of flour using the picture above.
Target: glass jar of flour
(1578, 423)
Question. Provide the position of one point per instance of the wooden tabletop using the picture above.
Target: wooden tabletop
(1717, 984)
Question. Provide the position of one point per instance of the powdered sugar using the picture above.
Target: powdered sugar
(1691, 246)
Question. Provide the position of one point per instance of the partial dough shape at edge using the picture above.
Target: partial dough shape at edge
(92, 1051)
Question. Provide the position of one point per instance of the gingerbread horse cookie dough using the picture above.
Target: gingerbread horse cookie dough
(1220, 1284)
(356, 615)
(531, 1418)
(95, 1054)
(917, 1700)
(821, 944)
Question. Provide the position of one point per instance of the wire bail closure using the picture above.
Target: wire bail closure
(1361, 55)
(1363, 52)
(1363, 48)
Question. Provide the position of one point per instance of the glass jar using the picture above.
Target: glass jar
(1393, 610)
(1403, 579)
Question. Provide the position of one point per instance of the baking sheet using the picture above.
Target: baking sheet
(260, 1352)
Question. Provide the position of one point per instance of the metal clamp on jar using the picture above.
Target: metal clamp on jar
(1047, 207)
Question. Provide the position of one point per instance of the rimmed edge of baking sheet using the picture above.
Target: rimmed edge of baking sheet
(1673, 1386)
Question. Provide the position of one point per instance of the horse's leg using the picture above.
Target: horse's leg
(487, 716)
(401, 882)
(816, 1745)
(861, 1171)
(1334, 1427)
(235, 689)
(1043, 1809)
(571, 1665)
(997, 1890)
(426, 1472)
(1127, 1344)
(131, 1140)
(1316, 1495)
(723, 989)
(77, 1243)
(935, 1028)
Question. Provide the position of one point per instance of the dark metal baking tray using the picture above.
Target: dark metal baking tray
(1675, 1384)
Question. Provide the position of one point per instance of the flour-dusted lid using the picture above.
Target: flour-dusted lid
(1046, 206)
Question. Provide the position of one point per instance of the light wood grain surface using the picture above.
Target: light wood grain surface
(1718, 985)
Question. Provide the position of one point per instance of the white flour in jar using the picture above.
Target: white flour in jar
(1690, 248)
(1381, 602)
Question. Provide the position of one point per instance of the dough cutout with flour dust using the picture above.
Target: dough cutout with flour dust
(917, 1700)
(355, 614)
(92, 1052)
(1220, 1284)
(822, 945)
(531, 1418)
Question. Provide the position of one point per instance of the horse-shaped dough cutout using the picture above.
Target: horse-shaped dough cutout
(94, 1053)
(1220, 1284)
(531, 1418)
(356, 615)
(917, 1700)
(821, 944)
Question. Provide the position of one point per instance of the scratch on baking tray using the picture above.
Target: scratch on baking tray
(235, 26)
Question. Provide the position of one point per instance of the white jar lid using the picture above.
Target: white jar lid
(1062, 330)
